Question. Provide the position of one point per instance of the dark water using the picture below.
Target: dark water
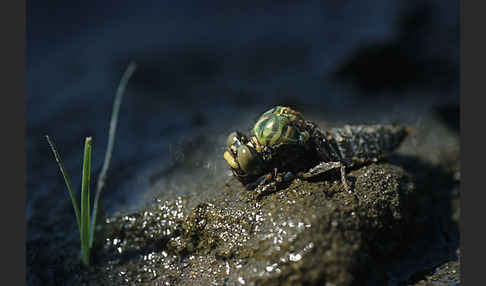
(204, 70)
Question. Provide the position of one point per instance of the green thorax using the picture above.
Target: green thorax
(273, 129)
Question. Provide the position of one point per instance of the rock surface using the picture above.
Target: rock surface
(309, 232)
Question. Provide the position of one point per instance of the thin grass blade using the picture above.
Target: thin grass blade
(66, 180)
(111, 141)
(85, 208)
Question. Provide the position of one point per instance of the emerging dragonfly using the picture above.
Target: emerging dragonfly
(283, 145)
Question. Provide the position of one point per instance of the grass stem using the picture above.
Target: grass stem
(66, 179)
(111, 141)
(87, 221)
(85, 208)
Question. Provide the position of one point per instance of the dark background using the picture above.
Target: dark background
(204, 69)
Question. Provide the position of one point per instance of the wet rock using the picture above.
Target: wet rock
(308, 233)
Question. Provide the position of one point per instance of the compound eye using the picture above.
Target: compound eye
(247, 159)
(231, 160)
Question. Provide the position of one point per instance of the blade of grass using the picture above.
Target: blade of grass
(85, 209)
(66, 179)
(111, 141)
